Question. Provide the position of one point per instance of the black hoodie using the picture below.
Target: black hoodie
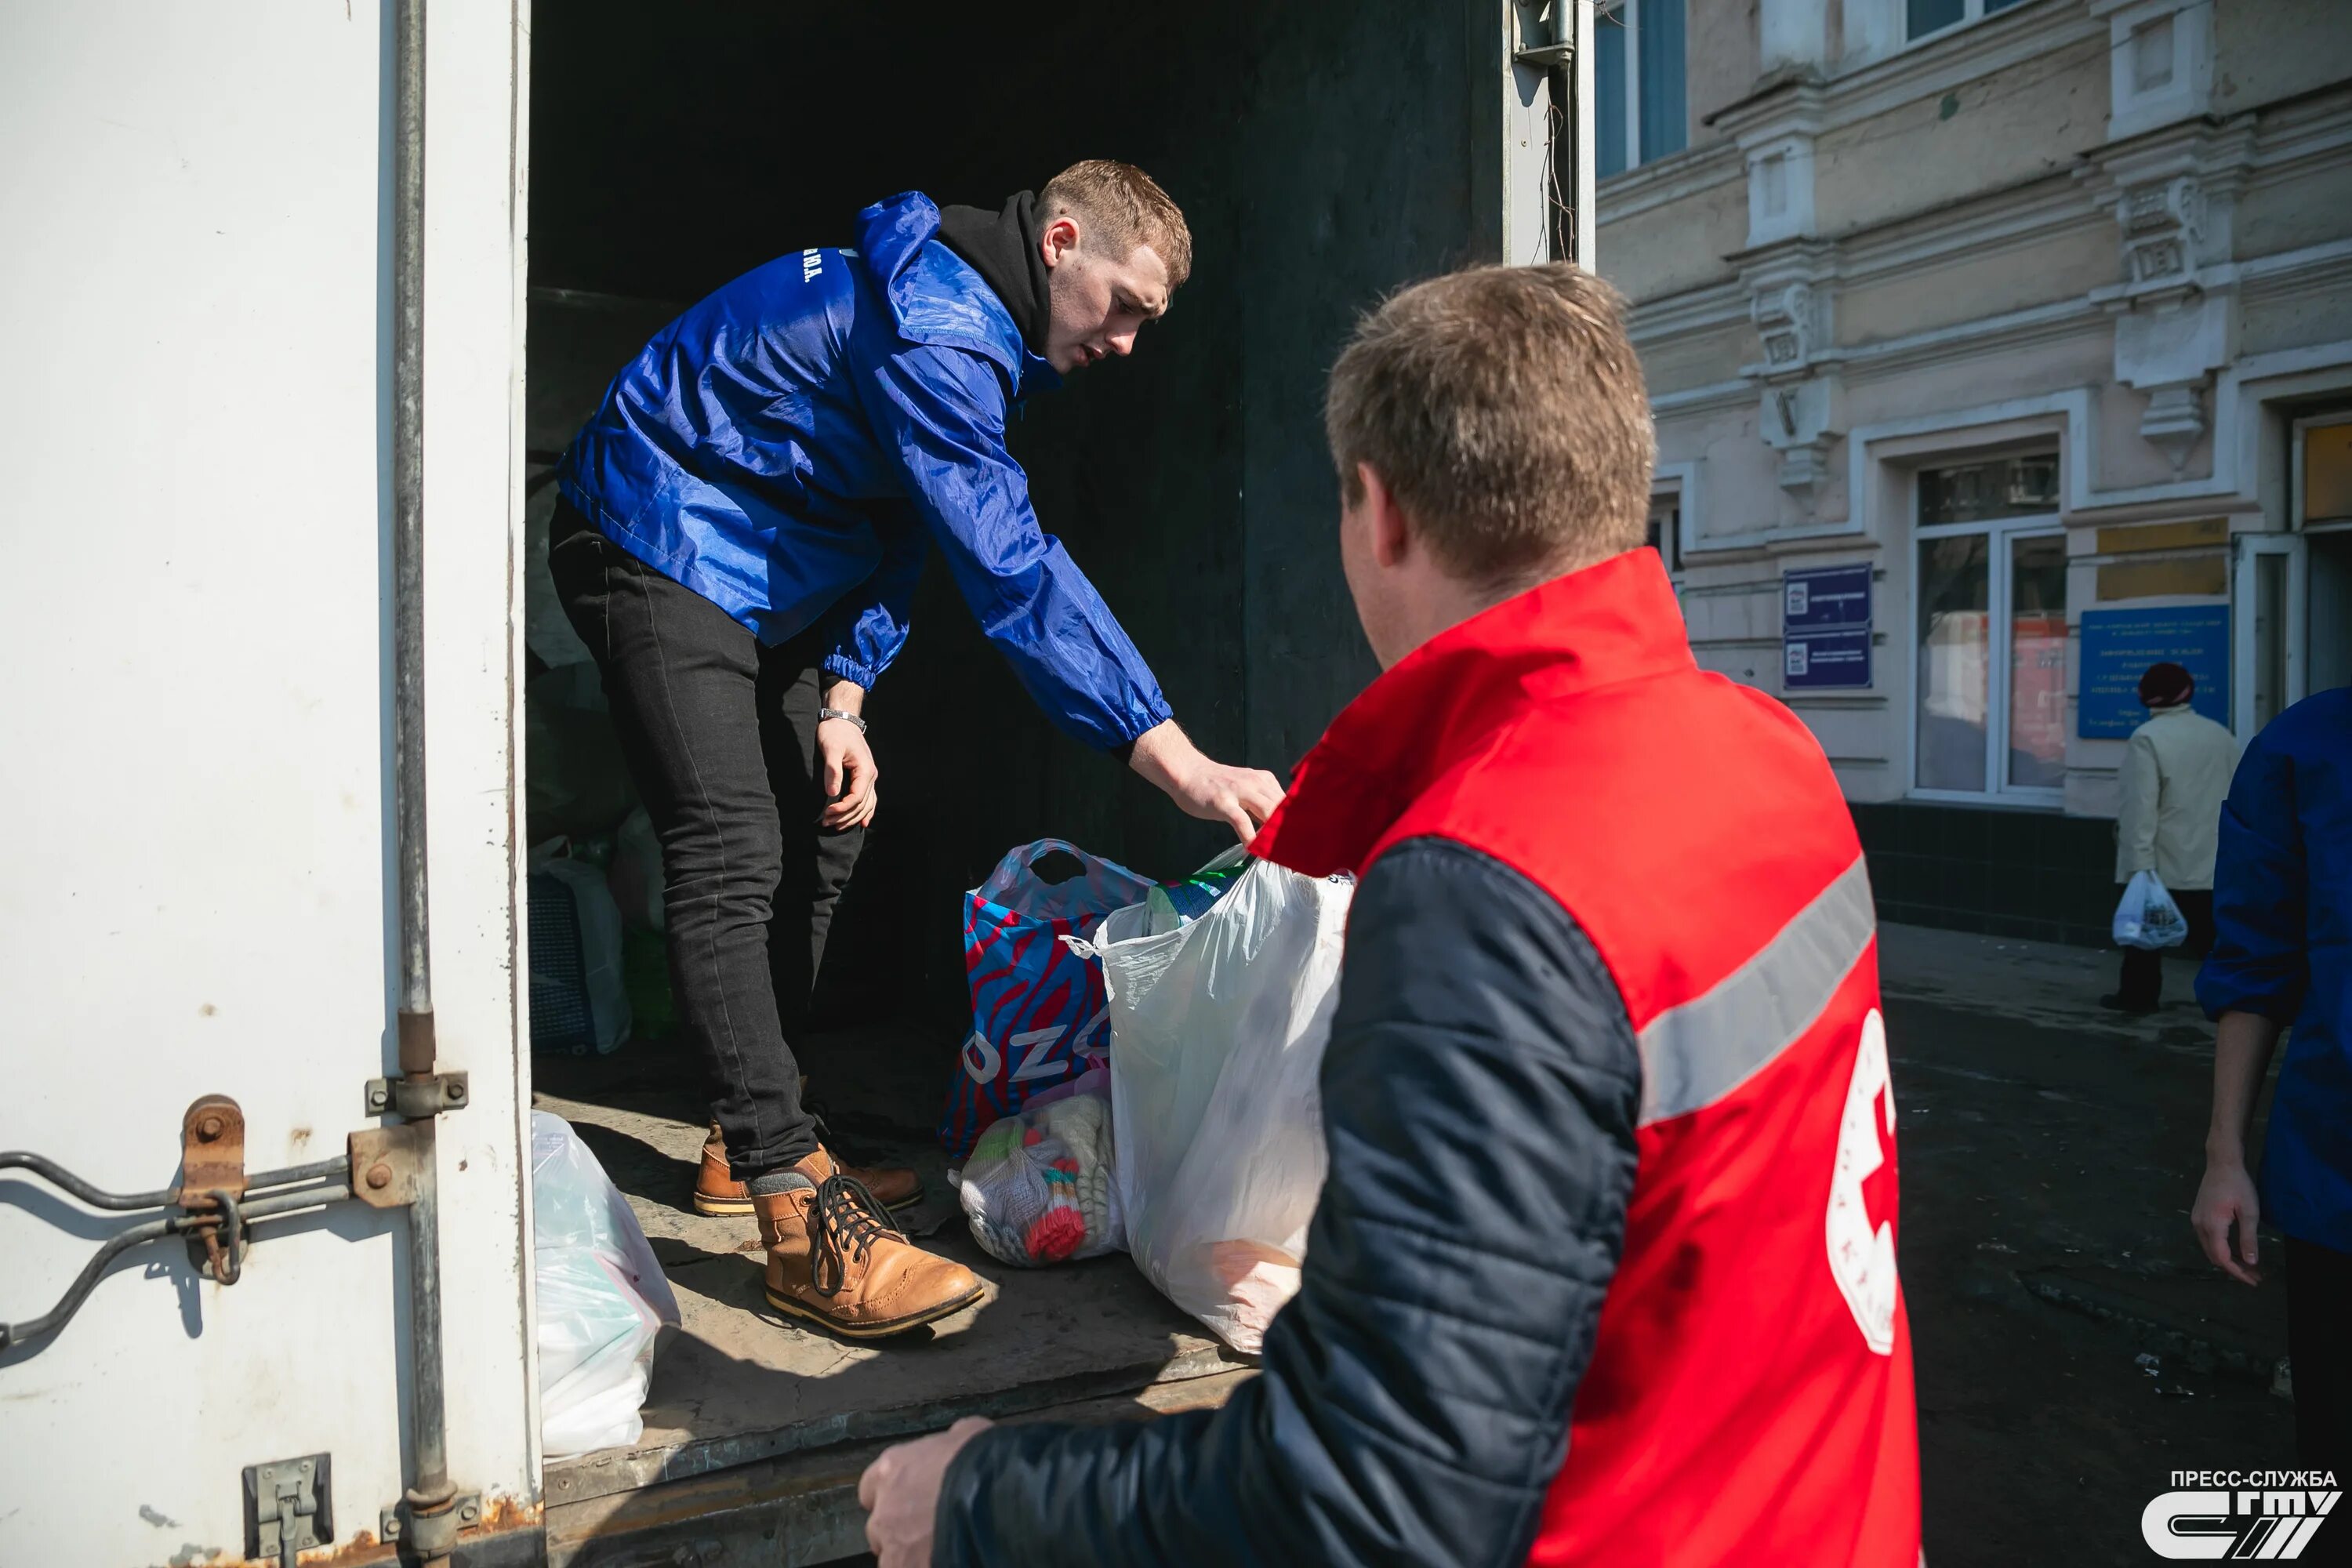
(1004, 249)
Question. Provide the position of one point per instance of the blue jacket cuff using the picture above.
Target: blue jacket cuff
(1155, 714)
(848, 668)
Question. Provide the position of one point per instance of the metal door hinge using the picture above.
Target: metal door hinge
(288, 1506)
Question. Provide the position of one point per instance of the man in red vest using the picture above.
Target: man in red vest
(1604, 1267)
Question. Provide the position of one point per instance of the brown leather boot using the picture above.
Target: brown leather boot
(716, 1192)
(836, 1260)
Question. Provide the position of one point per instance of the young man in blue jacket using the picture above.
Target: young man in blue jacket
(740, 532)
(2282, 961)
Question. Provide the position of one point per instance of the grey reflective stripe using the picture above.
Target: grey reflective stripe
(1697, 1052)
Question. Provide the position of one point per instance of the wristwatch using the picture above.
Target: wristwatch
(824, 713)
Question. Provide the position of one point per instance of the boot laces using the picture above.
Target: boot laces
(850, 1220)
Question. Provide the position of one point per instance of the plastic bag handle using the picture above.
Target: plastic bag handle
(1028, 855)
(1225, 858)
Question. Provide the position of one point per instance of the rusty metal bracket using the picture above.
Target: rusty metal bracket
(212, 1179)
(212, 1151)
(414, 1098)
(388, 1164)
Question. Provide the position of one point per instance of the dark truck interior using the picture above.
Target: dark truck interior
(673, 148)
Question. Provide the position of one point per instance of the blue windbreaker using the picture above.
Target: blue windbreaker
(791, 447)
(2282, 948)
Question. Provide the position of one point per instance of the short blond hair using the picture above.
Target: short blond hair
(1504, 408)
(1119, 207)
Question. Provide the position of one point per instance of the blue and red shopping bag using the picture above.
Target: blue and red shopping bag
(1038, 1013)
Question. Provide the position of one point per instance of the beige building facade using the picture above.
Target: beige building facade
(2036, 317)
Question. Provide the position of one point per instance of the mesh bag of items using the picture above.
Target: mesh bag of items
(1039, 1186)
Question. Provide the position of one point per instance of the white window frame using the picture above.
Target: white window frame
(2295, 627)
(1971, 13)
(2000, 531)
(2245, 643)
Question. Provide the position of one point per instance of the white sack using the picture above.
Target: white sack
(1217, 1032)
(602, 1298)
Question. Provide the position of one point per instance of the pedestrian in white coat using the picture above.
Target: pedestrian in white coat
(2176, 774)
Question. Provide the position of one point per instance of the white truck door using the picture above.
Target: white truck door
(195, 751)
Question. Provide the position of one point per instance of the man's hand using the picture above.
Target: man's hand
(2227, 1197)
(900, 1493)
(2243, 1043)
(844, 762)
(848, 776)
(1242, 798)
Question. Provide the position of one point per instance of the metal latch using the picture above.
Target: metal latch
(416, 1098)
(212, 1181)
(431, 1532)
(288, 1506)
(219, 1204)
(1559, 49)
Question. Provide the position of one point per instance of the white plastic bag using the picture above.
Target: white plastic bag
(601, 1298)
(1217, 1033)
(2147, 916)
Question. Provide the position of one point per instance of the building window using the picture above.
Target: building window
(1989, 704)
(1639, 111)
(1665, 529)
(1925, 18)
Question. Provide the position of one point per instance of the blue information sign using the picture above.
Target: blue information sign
(1825, 628)
(1824, 596)
(1817, 661)
(2119, 644)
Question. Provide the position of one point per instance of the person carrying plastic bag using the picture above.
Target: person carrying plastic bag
(1603, 1270)
(739, 531)
(2175, 772)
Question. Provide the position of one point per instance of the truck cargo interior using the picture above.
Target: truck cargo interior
(672, 149)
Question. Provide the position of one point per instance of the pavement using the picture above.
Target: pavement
(2072, 1347)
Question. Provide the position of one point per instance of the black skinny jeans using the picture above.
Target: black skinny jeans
(720, 736)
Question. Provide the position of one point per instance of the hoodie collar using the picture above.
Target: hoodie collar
(1006, 248)
(1612, 622)
(936, 297)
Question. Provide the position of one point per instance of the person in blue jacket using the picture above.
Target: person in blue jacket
(2282, 960)
(739, 536)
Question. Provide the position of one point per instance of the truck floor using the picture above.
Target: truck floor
(755, 1430)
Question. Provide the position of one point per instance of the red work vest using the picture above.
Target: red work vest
(1749, 1396)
